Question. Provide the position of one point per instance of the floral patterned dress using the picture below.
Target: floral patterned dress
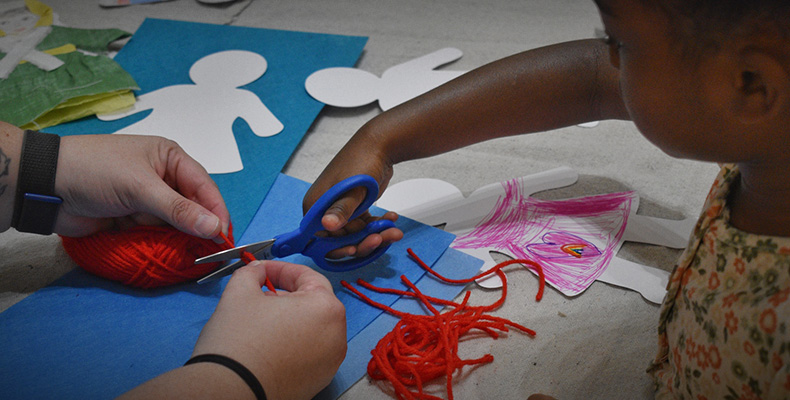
(724, 331)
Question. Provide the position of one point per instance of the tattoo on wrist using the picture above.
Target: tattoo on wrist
(5, 163)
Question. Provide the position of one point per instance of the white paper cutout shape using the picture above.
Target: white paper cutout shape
(200, 117)
(352, 87)
(575, 240)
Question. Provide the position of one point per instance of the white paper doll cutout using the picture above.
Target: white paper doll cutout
(575, 240)
(352, 87)
(200, 117)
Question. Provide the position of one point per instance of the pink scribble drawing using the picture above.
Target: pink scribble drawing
(563, 245)
(574, 240)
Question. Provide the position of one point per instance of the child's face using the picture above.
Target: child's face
(672, 99)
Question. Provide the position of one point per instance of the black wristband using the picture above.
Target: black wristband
(245, 374)
(36, 206)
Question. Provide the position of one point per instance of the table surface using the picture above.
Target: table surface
(595, 345)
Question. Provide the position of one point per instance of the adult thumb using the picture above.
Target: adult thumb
(182, 213)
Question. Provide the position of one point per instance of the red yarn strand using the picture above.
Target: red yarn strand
(424, 347)
(493, 269)
(247, 257)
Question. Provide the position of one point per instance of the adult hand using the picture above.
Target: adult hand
(117, 181)
(293, 341)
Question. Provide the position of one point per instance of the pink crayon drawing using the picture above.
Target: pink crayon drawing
(573, 239)
(563, 245)
(576, 240)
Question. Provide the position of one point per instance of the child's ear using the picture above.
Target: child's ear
(763, 85)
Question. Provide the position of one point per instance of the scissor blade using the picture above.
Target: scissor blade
(261, 251)
(224, 271)
(230, 254)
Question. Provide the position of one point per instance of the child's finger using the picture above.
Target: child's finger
(338, 214)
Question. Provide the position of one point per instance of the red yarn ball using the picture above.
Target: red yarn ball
(143, 256)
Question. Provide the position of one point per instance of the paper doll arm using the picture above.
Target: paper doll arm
(659, 231)
(650, 282)
(142, 103)
(537, 90)
(432, 60)
(260, 119)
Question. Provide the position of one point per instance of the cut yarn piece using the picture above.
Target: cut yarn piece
(424, 347)
(147, 256)
(247, 257)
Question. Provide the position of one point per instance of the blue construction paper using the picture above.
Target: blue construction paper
(160, 54)
(84, 337)
(87, 337)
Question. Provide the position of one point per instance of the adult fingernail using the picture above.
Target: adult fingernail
(206, 225)
(222, 236)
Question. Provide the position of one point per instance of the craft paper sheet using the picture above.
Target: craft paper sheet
(161, 55)
(87, 337)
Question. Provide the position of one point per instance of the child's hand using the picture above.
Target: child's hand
(336, 222)
(116, 181)
(293, 341)
(367, 245)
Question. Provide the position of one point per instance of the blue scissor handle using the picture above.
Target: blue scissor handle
(318, 248)
(303, 239)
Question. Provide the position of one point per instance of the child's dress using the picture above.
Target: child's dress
(724, 331)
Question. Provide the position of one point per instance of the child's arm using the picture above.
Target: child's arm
(537, 90)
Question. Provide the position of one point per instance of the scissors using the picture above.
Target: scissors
(303, 239)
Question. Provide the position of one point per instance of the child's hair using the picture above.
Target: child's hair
(702, 25)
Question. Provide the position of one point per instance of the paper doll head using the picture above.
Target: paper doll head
(238, 68)
(16, 20)
(344, 87)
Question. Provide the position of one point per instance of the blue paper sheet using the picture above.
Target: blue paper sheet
(86, 337)
(161, 53)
